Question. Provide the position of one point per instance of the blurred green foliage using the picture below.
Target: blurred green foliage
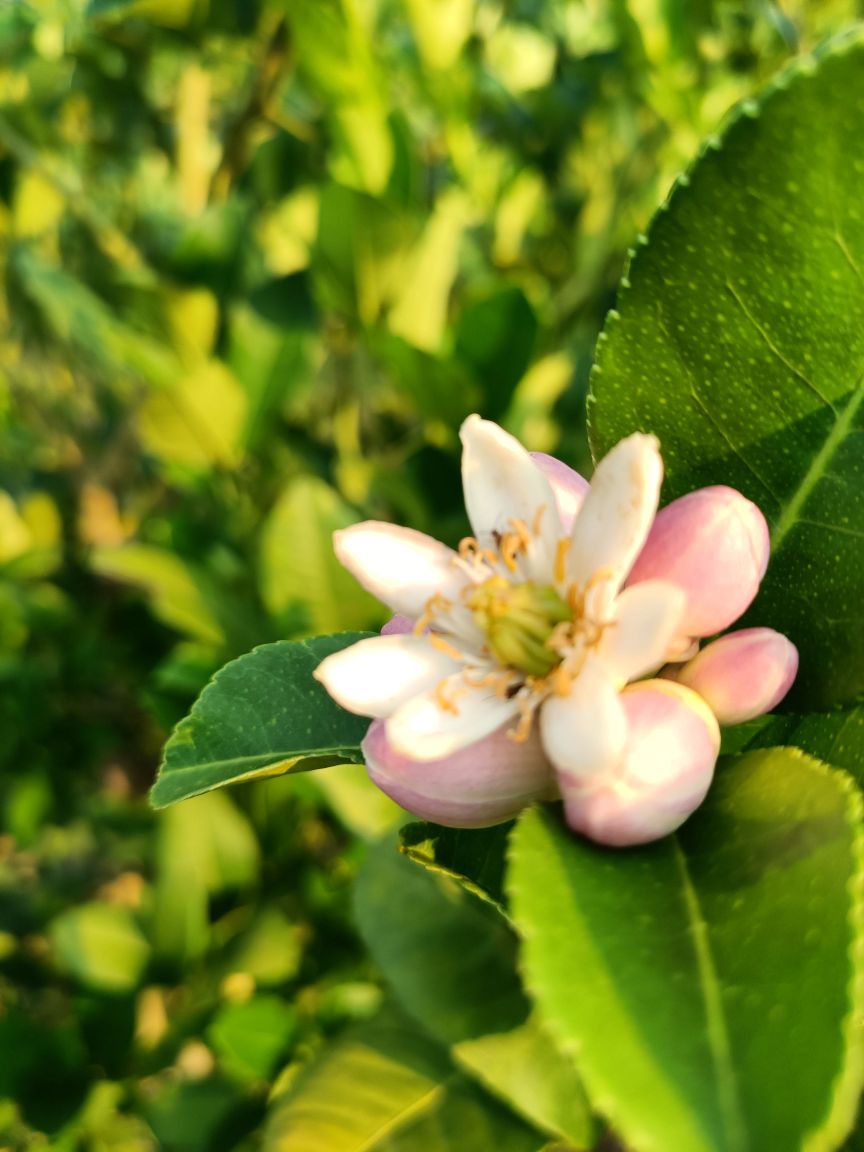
(259, 259)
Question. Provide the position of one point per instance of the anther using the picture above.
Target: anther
(561, 550)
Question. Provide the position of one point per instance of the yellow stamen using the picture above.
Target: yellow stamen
(433, 607)
(446, 703)
(561, 681)
(561, 551)
(522, 731)
(520, 530)
(445, 646)
(510, 549)
(538, 520)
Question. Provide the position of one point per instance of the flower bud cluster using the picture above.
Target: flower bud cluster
(562, 652)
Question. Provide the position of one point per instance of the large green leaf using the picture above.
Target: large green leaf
(385, 1088)
(740, 342)
(695, 980)
(261, 715)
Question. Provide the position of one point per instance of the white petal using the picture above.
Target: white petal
(502, 483)
(584, 734)
(399, 566)
(646, 619)
(423, 730)
(614, 520)
(375, 677)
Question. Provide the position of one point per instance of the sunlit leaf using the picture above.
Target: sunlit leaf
(686, 978)
(386, 1088)
(173, 588)
(299, 567)
(198, 421)
(102, 946)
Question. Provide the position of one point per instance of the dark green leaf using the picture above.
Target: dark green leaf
(450, 959)
(473, 856)
(700, 977)
(496, 338)
(261, 715)
(740, 342)
(836, 737)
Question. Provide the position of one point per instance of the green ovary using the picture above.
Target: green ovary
(518, 621)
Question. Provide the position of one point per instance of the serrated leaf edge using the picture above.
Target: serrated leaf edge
(804, 67)
(286, 760)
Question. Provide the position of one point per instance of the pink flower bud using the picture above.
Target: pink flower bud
(672, 746)
(741, 675)
(714, 544)
(398, 626)
(569, 487)
(485, 783)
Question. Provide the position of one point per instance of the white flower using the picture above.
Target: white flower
(524, 626)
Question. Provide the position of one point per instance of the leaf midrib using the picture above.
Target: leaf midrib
(717, 1032)
(259, 760)
(789, 517)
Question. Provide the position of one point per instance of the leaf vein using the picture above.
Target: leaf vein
(718, 1035)
(784, 360)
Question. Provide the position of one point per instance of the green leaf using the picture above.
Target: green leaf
(101, 946)
(249, 1038)
(696, 979)
(335, 53)
(525, 1069)
(473, 856)
(173, 588)
(260, 715)
(740, 342)
(419, 313)
(496, 338)
(270, 950)
(270, 336)
(198, 421)
(450, 960)
(298, 564)
(356, 802)
(836, 737)
(385, 1088)
(204, 848)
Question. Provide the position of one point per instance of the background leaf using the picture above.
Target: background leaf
(298, 565)
(389, 1088)
(740, 342)
(450, 960)
(687, 977)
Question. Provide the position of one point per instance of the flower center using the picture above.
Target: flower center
(518, 621)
